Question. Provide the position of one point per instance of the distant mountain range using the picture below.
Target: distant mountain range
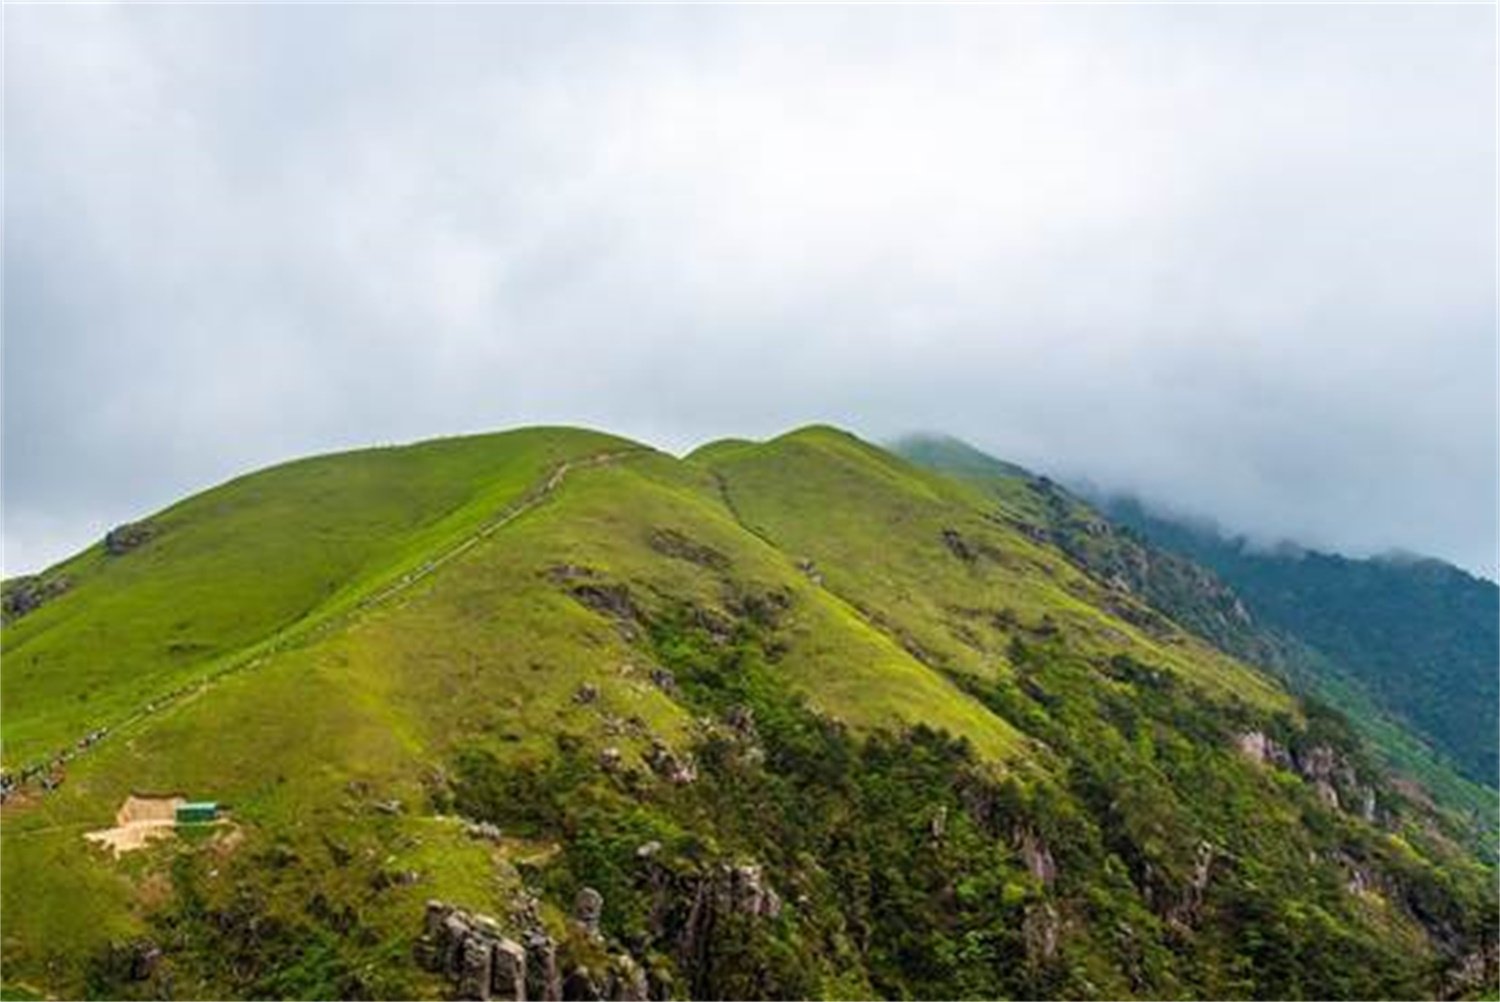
(550, 714)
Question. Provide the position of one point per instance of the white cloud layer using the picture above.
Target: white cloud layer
(1237, 259)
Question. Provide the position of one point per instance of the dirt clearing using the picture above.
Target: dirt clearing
(138, 821)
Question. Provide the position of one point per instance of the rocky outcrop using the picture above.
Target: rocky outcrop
(485, 831)
(541, 974)
(810, 569)
(671, 543)
(1319, 765)
(1041, 929)
(959, 547)
(1185, 911)
(479, 961)
(508, 970)
(668, 765)
(1332, 775)
(542, 978)
(725, 890)
(1262, 750)
(1362, 878)
(125, 538)
(1035, 854)
(741, 720)
(1367, 804)
(620, 980)
(1474, 973)
(1328, 771)
(763, 608)
(1203, 868)
(748, 892)
(24, 594)
(476, 962)
(937, 825)
(612, 601)
(691, 911)
(588, 908)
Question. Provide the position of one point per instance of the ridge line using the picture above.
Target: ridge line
(301, 631)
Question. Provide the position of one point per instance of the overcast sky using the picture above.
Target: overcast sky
(1236, 259)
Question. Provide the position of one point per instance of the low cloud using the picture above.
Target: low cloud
(1239, 260)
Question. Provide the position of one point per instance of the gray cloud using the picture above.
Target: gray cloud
(1238, 259)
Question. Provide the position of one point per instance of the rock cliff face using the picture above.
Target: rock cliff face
(1037, 856)
(1259, 748)
(480, 961)
(1330, 773)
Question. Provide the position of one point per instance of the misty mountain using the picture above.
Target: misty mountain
(1336, 630)
(1420, 635)
(549, 714)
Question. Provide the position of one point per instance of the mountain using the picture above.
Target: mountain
(1337, 630)
(548, 713)
(1045, 511)
(1421, 636)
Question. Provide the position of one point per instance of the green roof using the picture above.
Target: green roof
(203, 810)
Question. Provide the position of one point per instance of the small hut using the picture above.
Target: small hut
(197, 812)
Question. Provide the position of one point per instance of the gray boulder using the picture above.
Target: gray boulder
(130, 536)
(475, 971)
(542, 980)
(587, 909)
(23, 594)
(508, 971)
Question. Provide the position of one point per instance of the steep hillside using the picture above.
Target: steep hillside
(782, 719)
(1136, 554)
(185, 592)
(1188, 593)
(1421, 636)
(930, 562)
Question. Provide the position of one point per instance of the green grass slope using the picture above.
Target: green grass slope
(927, 560)
(489, 654)
(968, 770)
(233, 566)
(1200, 600)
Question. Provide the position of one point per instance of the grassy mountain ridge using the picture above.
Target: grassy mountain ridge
(1140, 554)
(922, 525)
(966, 768)
(258, 554)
